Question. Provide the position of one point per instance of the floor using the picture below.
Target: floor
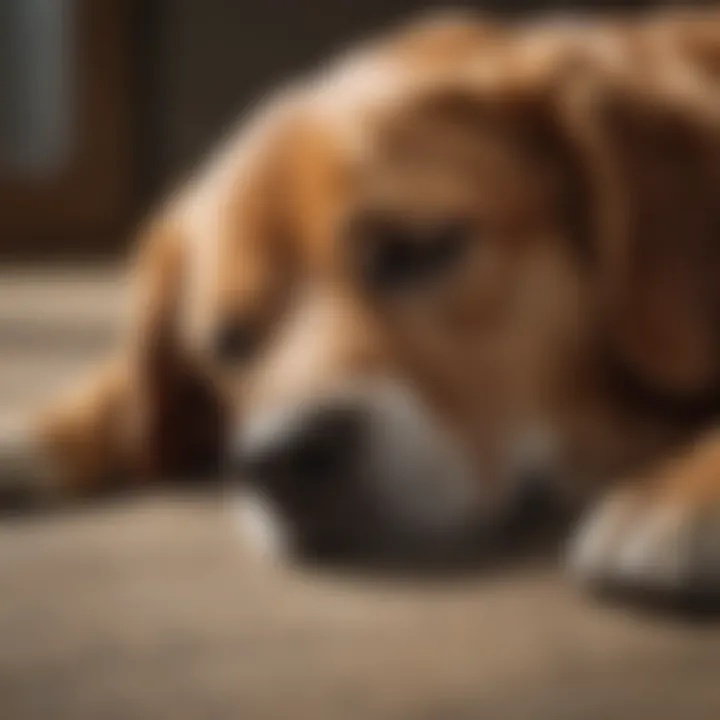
(151, 607)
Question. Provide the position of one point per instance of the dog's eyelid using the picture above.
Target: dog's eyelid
(450, 239)
(393, 254)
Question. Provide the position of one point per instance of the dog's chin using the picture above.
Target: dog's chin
(271, 533)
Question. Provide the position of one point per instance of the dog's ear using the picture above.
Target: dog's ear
(646, 150)
(177, 413)
(157, 282)
(217, 247)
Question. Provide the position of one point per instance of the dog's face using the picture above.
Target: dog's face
(392, 280)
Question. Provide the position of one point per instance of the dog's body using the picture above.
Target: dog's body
(466, 260)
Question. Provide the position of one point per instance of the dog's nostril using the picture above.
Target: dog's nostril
(310, 446)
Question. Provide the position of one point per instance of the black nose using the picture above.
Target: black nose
(300, 447)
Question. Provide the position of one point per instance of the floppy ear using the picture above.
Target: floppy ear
(234, 216)
(178, 415)
(649, 151)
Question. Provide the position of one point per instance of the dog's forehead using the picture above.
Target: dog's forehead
(374, 141)
(322, 147)
(414, 145)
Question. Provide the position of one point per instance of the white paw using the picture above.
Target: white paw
(636, 542)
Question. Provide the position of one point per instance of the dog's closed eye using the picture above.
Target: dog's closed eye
(393, 255)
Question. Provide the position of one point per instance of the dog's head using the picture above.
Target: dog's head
(409, 276)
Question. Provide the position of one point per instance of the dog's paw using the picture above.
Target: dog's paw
(649, 543)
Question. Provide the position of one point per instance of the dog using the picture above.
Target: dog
(466, 264)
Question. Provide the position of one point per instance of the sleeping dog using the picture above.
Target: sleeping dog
(464, 264)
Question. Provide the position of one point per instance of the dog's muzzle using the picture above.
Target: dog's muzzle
(360, 473)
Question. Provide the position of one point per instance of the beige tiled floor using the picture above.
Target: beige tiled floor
(151, 607)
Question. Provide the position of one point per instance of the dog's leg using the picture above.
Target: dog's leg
(76, 446)
(149, 413)
(118, 429)
(660, 534)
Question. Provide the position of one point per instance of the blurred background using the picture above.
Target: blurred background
(147, 608)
